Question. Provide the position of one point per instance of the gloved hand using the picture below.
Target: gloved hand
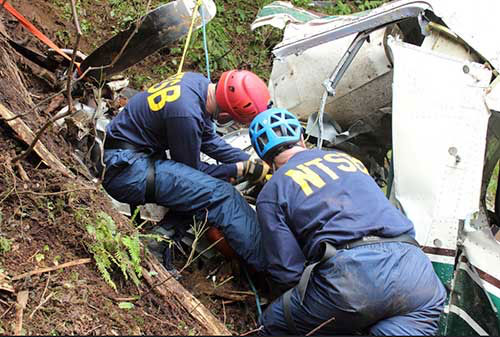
(255, 170)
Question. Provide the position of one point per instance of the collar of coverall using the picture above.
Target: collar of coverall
(284, 156)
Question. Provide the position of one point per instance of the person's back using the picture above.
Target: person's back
(347, 256)
(157, 117)
(326, 196)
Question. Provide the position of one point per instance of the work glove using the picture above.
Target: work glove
(255, 170)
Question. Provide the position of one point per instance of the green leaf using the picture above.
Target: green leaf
(39, 257)
(126, 305)
(90, 229)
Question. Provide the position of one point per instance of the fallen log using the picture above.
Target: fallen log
(27, 135)
(169, 286)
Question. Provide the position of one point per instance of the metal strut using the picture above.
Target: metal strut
(331, 83)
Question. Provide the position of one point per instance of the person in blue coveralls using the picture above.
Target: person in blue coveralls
(347, 256)
(177, 115)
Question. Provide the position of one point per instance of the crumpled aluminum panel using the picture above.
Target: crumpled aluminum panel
(475, 25)
(439, 136)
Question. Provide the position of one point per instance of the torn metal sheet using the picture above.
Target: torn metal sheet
(150, 212)
(439, 137)
(238, 139)
(279, 13)
(159, 28)
(442, 44)
(118, 85)
(364, 88)
(83, 115)
(476, 288)
(296, 39)
(475, 25)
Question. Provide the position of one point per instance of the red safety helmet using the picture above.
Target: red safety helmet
(242, 95)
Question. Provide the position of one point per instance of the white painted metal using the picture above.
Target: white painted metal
(465, 316)
(441, 258)
(296, 82)
(297, 32)
(439, 132)
(483, 251)
(151, 212)
(238, 139)
(473, 24)
(440, 43)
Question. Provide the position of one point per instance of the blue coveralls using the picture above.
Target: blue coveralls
(382, 288)
(171, 116)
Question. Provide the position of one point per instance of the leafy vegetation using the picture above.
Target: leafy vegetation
(127, 12)
(339, 7)
(5, 245)
(492, 186)
(111, 248)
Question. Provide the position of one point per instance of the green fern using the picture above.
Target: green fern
(112, 249)
(133, 246)
(103, 264)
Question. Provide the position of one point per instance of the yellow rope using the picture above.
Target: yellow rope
(188, 39)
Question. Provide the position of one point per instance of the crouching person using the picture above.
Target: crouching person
(177, 114)
(330, 236)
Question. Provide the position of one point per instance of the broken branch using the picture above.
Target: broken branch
(41, 304)
(320, 326)
(22, 299)
(224, 282)
(39, 134)
(42, 299)
(59, 192)
(6, 311)
(159, 320)
(44, 270)
(22, 172)
(138, 23)
(92, 330)
(26, 134)
(252, 331)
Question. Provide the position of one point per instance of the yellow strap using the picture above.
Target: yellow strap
(198, 4)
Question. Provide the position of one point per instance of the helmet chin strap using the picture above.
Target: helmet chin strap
(215, 114)
(215, 118)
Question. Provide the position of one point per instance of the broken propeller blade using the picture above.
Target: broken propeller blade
(38, 59)
(159, 28)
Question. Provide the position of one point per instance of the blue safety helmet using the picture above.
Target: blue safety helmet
(272, 130)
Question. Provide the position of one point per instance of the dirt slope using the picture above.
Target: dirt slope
(40, 227)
